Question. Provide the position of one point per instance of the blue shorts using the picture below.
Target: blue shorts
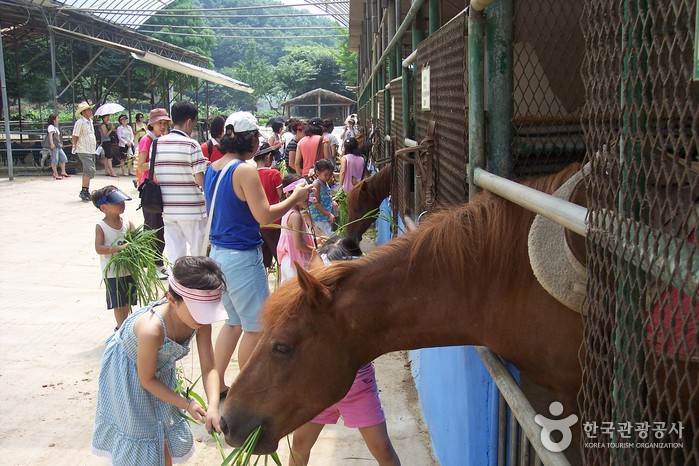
(246, 285)
(121, 292)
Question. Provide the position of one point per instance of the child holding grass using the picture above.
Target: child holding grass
(361, 406)
(121, 290)
(321, 211)
(295, 240)
(139, 417)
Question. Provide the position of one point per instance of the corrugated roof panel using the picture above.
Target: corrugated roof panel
(115, 11)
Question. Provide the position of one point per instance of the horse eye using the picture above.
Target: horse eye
(281, 348)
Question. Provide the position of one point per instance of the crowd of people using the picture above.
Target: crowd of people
(254, 201)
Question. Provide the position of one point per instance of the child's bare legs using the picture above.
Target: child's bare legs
(121, 313)
(224, 348)
(304, 439)
(247, 345)
(168, 458)
(379, 444)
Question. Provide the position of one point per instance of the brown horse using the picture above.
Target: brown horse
(462, 278)
(366, 196)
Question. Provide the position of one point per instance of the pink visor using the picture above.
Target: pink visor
(292, 186)
(205, 306)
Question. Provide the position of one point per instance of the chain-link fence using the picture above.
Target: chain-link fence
(548, 92)
(641, 361)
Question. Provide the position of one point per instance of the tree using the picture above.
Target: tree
(346, 60)
(293, 76)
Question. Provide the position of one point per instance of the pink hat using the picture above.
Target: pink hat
(205, 306)
(158, 114)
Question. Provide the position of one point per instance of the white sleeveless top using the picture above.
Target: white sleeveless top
(110, 236)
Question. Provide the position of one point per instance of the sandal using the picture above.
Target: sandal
(65, 175)
(57, 177)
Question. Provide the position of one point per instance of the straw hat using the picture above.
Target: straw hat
(82, 106)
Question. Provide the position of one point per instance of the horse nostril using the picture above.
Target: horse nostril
(224, 426)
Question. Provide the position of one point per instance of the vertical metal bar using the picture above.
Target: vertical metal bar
(476, 108)
(54, 87)
(6, 115)
(418, 35)
(523, 449)
(19, 92)
(499, 40)
(128, 91)
(207, 100)
(502, 430)
(434, 16)
(513, 441)
(629, 330)
(405, 96)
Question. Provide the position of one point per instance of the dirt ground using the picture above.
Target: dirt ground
(53, 325)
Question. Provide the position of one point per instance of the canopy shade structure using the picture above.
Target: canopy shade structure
(326, 104)
(193, 70)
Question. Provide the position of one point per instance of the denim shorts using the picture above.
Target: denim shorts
(57, 156)
(246, 285)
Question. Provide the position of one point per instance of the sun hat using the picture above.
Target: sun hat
(241, 122)
(115, 197)
(205, 306)
(82, 106)
(156, 115)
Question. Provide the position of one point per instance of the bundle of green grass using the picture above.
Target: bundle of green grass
(138, 259)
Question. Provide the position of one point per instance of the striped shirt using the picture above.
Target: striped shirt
(178, 158)
(87, 142)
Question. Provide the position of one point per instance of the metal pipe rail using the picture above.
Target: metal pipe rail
(520, 406)
(571, 216)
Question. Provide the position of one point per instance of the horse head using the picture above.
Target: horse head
(366, 196)
(301, 366)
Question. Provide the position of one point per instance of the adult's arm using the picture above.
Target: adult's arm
(248, 187)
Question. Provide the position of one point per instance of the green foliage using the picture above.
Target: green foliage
(138, 259)
(201, 41)
(346, 61)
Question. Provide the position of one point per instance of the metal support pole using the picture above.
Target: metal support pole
(207, 99)
(476, 108)
(6, 114)
(54, 87)
(499, 40)
(19, 93)
(418, 35)
(434, 16)
(75, 78)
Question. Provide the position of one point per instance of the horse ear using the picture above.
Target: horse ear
(314, 292)
(364, 186)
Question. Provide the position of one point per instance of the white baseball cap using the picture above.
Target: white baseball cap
(242, 121)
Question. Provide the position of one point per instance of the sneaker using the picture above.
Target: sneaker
(162, 273)
(85, 196)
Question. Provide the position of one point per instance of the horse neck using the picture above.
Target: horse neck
(420, 306)
(415, 307)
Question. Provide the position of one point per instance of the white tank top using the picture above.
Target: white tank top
(110, 236)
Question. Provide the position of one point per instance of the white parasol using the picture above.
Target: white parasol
(108, 109)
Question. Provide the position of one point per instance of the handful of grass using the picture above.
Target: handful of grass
(240, 456)
(138, 259)
(342, 207)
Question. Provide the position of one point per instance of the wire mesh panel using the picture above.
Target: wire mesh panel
(445, 55)
(548, 90)
(641, 363)
(379, 129)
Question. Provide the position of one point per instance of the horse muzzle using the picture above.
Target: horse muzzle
(237, 429)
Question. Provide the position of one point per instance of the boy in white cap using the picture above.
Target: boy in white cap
(84, 145)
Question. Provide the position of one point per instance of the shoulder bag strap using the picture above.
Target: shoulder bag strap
(320, 146)
(224, 172)
(153, 148)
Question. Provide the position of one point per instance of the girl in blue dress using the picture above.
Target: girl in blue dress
(137, 420)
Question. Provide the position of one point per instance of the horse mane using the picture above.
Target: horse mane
(487, 234)
(285, 303)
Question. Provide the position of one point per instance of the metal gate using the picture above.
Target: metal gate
(640, 398)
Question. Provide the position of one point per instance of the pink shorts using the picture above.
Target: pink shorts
(361, 406)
